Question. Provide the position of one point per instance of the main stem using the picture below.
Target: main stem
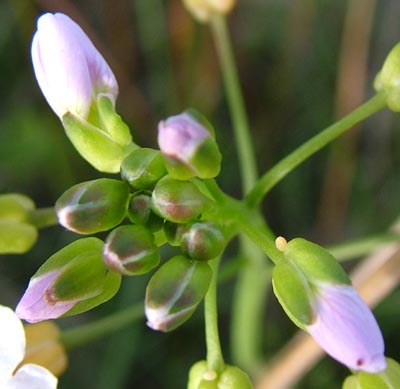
(286, 165)
(252, 281)
(215, 360)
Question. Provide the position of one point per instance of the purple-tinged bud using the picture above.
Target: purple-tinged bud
(142, 168)
(177, 201)
(174, 292)
(93, 206)
(140, 212)
(203, 241)
(346, 329)
(189, 147)
(130, 250)
(71, 281)
(317, 295)
(70, 71)
(201, 377)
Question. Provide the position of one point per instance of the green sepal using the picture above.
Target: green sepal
(112, 122)
(198, 116)
(142, 168)
(207, 159)
(293, 292)
(94, 145)
(16, 237)
(315, 262)
(387, 379)
(93, 206)
(196, 377)
(174, 292)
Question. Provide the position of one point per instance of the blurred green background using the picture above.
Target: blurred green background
(302, 64)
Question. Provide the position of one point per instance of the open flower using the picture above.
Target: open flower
(69, 69)
(12, 349)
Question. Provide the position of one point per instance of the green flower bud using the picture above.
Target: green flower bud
(130, 250)
(388, 79)
(200, 377)
(140, 212)
(387, 379)
(174, 292)
(189, 147)
(95, 145)
(72, 281)
(93, 206)
(203, 241)
(177, 201)
(17, 234)
(142, 168)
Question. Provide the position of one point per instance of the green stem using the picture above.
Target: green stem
(88, 332)
(43, 217)
(215, 359)
(247, 162)
(286, 165)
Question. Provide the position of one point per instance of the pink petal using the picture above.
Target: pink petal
(37, 304)
(347, 330)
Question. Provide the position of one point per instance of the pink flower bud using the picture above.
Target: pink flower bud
(346, 329)
(69, 69)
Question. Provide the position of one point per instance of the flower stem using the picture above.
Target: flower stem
(43, 217)
(247, 160)
(286, 165)
(82, 334)
(215, 359)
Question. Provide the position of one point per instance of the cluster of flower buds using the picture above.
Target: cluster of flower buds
(200, 376)
(317, 295)
(17, 233)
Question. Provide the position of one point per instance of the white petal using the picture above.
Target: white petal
(32, 376)
(12, 341)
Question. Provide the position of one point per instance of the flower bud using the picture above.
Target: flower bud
(174, 292)
(203, 241)
(72, 281)
(44, 347)
(93, 206)
(189, 147)
(200, 377)
(81, 89)
(130, 250)
(69, 69)
(317, 295)
(17, 234)
(142, 168)
(203, 10)
(140, 212)
(177, 201)
(389, 378)
(388, 79)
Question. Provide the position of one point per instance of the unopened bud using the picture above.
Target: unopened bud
(388, 79)
(174, 292)
(130, 250)
(203, 10)
(17, 234)
(177, 201)
(71, 281)
(201, 377)
(189, 147)
(203, 241)
(142, 168)
(93, 206)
